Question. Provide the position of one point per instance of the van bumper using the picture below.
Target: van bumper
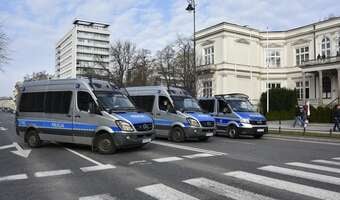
(258, 130)
(191, 132)
(127, 140)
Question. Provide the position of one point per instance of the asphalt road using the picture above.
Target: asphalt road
(222, 168)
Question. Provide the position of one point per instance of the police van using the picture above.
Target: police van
(177, 115)
(82, 111)
(235, 115)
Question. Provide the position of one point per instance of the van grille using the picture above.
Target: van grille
(208, 124)
(143, 127)
(258, 122)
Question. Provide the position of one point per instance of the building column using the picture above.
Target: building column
(338, 82)
(320, 88)
(304, 87)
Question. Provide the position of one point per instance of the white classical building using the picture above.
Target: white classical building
(239, 59)
(85, 46)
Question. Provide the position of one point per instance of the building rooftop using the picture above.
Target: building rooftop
(90, 23)
(260, 31)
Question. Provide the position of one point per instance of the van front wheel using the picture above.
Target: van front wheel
(232, 132)
(177, 134)
(33, 139)
(105, 144)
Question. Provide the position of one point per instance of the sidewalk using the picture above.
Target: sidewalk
(311, 127)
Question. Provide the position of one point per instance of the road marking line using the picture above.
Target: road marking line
(83, 156)
(7, 146)
(302, 174)
(98, 197)
(285, 185)
(139, 162)
(3, 128)
(317, 167)
(216, 153)
(327, 162)
(304, 141)
(163, 192)
(13, 177)
(52, 173)
(336, 158)
(198, 155)
(167, 159)
(225, 190)
(97, 168)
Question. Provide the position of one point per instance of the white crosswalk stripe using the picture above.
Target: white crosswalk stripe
(13, 177)
(285, 185)
(317, 167)
(302, 174)
(327, 162)
(337, 158)
(98, 197)
(198, 155)
(163, 192)
(167, 159)
(52, 173)
(225, 190)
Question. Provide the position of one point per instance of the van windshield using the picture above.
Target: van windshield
(241, 105)
(113, 101)
(185, 103)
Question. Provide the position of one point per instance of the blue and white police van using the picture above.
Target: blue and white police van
(235, 115)
(81, 111)
(177, 115)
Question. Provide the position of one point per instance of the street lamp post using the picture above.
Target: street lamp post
(192, 8)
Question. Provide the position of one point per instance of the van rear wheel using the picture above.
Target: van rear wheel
(232, 132)
(177, 134)
(33, 139)
(105, 145)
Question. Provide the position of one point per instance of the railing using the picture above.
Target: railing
(319, 61)
(333, 103)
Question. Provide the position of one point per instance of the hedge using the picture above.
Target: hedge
(281, 100)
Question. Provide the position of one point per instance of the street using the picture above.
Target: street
(222, 168)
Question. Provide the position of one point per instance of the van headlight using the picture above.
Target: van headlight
(193, 122)
(124, 126)
(246, 121)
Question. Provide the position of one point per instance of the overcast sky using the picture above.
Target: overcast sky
(34, 26)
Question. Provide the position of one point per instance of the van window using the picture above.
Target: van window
(165, 104)
(83, 99)
(223, 107)
(144, 103)
(58, 102)
(32, 102)
(207, 105)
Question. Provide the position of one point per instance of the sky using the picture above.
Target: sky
(35, 26)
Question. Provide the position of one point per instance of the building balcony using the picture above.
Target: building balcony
(321, 61)
(203, 69)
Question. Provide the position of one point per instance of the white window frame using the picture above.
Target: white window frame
(209, 55)
(299, 88)
(326, 46)
(272, 60)
(301, 55)
(207, 88)
(272, 85)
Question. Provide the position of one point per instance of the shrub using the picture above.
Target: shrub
(280, 100)
(320, 114)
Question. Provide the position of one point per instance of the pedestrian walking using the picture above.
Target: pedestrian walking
(306, 113)
(298, 116)
(337, 118)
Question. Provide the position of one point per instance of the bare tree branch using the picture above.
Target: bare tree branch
(3, 48)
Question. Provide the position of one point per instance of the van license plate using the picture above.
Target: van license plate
(146, 140)
(209, 134)
(260, 130)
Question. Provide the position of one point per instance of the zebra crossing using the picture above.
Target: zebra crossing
(230, 186)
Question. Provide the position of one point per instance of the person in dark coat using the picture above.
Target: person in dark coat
(298, 116)
(337, 118)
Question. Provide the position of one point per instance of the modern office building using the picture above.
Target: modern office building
(239, 59)
(85, 48)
